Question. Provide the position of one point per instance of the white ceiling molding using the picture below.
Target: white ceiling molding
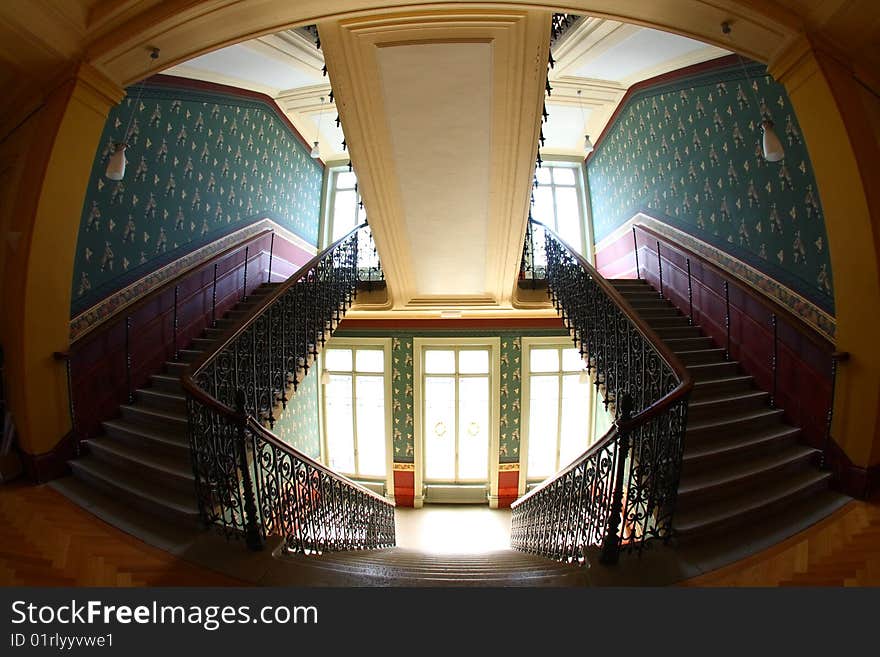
(382, 144)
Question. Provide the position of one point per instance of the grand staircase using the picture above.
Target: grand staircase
(741, 460)
(408, 567)
(144, 455)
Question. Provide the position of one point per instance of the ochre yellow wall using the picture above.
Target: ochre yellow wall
(54, 151)
(845, 158)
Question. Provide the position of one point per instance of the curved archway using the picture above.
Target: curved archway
(833, 111)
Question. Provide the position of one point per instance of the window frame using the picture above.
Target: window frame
(329, 202)
(420, 345)
(559, 342)
(376, 344)
(585, 247)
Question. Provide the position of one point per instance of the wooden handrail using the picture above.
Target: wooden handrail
(771, 305)
(167, 285)
(190, 386)
(685, 381)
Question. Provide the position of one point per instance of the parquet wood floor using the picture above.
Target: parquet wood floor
(46, 540)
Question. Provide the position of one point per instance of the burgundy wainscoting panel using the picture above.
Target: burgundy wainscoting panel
(617, 259)
(803, 371)
(98, 361)
(404, 487)
(508, 487)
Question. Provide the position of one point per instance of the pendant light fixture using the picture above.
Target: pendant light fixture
(116, 164)
(771, 146)
(588, 145)
(316, 151)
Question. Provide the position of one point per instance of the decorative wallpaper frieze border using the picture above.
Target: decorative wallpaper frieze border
(810, 313)
(108, 307)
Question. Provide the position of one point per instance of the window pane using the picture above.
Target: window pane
(571, 360)
(543, 174)
(370, 392)
(370, 360)
(439, 428)
(340, 434)
(563, 176)
(604, 421)
(544, 360)
(473, 428)
(439, 362)
(337, 360)
(568, 216)
(345, 180)
(575, 410)
(543, 423)
(543, 208)
(473, 361)
(344, 207)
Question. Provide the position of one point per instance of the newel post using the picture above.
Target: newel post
(252, 535)
(611, 545)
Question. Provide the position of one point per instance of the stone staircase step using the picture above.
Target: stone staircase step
(701, 356)
(713, 387)
(226, 323)
(723, 426)
(724, 404)
(672, 332)
(714, 371)
(162, 401)
(145, 495)
(629, 282)
(202, 344)
(736, 510)
(213, 333)
(158, 467)
(693, 343)
(189, 355)
(735, 477)
(702, 456)
(166, 383)
(164, 421)
(137, 435)
(657, 312)
(175, 368)
(665, 322)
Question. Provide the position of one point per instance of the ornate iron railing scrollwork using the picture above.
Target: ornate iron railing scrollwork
(619, 494)
(249, 483)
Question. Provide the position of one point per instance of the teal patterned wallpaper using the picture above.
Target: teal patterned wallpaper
(511, 388)
(299, 423)
(688, 152)
(510, 384)
(402, 398)
(201, 164)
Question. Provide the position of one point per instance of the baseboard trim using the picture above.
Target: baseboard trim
(853, 480)
(50, 465)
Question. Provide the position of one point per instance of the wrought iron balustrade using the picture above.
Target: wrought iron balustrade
(248, 481)
(621, 492)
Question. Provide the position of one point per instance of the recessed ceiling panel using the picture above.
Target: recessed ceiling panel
(439, 117)
(644, 49)
(244, 63)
